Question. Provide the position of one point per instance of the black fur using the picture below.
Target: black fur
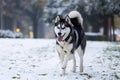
(76, 29)
(71, 39)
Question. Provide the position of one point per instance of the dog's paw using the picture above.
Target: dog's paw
(82, 73)
(62, 74)
(73, 70)
(81, 70)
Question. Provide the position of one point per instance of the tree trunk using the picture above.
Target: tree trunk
(106, 31)
(41, 30)
(1, 14)
(113, 25)
(109, 29)
(35, 28)
(38, 29)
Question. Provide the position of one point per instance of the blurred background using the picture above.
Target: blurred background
(35, 18)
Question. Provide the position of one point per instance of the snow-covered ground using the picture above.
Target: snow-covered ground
(37, 59)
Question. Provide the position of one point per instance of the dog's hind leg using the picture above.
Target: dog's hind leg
(81, 62)
(74, 64)
(80, 52)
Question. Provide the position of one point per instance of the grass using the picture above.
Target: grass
(111, 56)
(114, 48)
(44, 74)
(88, 75)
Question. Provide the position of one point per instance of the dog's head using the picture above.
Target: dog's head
(62, 28)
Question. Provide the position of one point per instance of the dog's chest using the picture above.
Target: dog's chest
(66, 46)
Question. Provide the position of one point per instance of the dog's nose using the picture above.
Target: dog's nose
(59, 33)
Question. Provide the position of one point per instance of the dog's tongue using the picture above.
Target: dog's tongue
(60, 38)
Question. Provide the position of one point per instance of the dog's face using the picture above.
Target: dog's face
(62, 28)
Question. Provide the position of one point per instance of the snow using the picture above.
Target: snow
(93, 33)
(37, 59)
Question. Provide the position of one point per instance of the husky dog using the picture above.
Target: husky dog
(70, 38)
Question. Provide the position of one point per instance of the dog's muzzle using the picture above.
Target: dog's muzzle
(60, 38)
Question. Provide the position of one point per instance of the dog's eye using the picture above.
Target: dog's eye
(63, 27)
(56, 24)
(58, 27)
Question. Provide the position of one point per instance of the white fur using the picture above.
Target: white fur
(57, 19)
(64, 48)
(65, 31)
(65, 57)
(80, 53)
(74, 14)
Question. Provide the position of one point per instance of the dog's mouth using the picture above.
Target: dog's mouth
(60, 38)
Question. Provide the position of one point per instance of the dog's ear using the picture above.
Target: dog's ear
(57, 19)
(67, 19)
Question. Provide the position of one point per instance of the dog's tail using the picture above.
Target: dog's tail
(76, 18)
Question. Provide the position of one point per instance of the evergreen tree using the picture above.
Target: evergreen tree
(95, 12)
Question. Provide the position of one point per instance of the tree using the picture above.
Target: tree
(95, 12)
(34, 9)
(13, 9)
(59, 7)
(106, 9)
(6, 11)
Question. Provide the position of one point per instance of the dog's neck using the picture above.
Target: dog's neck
(68, 39)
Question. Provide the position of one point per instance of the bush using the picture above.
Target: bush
(10, 34)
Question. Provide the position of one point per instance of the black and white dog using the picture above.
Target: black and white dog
(70, 38)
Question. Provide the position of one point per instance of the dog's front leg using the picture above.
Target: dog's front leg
(66, 58)
(74, 64)
(61, 56)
